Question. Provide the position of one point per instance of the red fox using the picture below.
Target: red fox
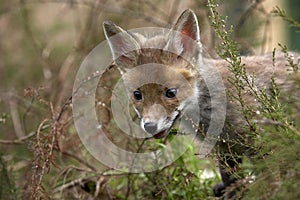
(159, 105)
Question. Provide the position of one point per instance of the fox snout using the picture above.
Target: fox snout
(158, 129)
(150, 127)
(156, 121)
(153, 129)
(153, 119)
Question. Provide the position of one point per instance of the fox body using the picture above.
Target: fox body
(181, 82)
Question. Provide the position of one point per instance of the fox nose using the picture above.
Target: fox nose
(150, 127)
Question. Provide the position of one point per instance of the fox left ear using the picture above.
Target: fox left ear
(123, 46)
(185, 33)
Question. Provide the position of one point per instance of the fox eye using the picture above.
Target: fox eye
(137, 95)
(171, 93)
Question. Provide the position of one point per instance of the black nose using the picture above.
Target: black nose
(150, 127)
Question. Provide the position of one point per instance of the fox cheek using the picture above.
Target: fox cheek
(138, 109)
(137, 112)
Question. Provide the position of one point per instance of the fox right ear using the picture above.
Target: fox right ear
(186, 34)
(187, 24)
(123, 46)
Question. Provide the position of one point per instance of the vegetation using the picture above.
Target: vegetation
(41, 156)
(276, 136)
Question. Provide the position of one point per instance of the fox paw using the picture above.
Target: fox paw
(219, 189)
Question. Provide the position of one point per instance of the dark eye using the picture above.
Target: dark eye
(171, 93)
(137, 95)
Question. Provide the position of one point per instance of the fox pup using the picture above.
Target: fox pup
(160, 103)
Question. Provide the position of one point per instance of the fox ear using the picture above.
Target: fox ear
(185, 33)
(123, 46)
(187, 24)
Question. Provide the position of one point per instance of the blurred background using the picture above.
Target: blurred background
(42, 44)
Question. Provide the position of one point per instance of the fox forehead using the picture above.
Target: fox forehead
(164, 75)
(147, 41)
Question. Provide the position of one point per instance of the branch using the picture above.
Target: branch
(22, 140)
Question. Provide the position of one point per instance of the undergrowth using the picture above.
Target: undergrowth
(276, 135)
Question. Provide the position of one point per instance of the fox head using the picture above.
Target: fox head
(159, 70)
